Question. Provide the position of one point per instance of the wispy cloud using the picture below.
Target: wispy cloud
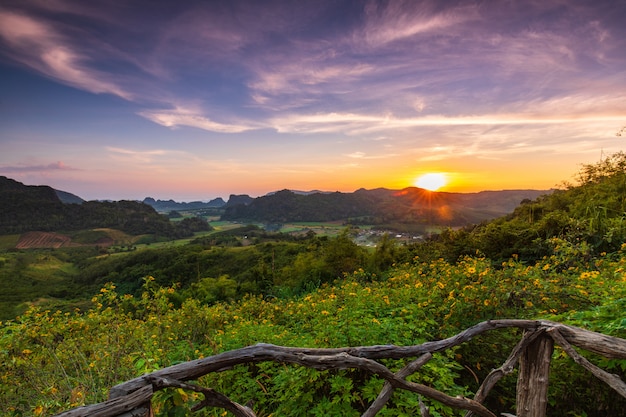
(400, 58)
(55, 166)
(333, 82)
(41, 47)
(141, 156)
(350, 123)
(394, 21)
(365, 156)
(192, 118)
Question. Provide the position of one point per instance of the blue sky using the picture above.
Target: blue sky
(199, 99)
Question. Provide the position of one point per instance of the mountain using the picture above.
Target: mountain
(304, 192)
(24, 207)
(165, 206)
(381, 206)
(68, 198)
(39, 208)
(236, 200)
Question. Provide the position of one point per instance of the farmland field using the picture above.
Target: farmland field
(320, 228)
(31, 240)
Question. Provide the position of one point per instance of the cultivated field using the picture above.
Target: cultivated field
(30, 240)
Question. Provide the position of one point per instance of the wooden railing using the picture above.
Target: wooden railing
(533, 353)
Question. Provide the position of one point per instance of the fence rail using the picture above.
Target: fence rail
(533, 354)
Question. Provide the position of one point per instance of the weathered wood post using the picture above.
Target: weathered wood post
(532, 382)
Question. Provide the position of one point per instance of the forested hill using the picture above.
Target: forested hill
(380, 206)
(38, 208)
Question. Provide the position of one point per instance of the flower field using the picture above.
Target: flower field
(53, 361)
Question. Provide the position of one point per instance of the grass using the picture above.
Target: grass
(320, 228)
(34, 275)
(221, 226)
(8, 241)
(171, 243)
(116, 235)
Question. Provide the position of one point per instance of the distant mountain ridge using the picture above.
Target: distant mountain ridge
(382, 206)
(165, 206)
(26, 208)
(171, 205)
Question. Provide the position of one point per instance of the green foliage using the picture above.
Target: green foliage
(210, 290)
(560, 257)
(593, 211)
(8, 241)
(58, 360)
(43, 277)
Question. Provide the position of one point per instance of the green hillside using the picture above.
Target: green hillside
(381, 207)
(38, 208)
(123, 336)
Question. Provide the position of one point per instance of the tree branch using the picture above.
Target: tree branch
(610, 379)
(212, 398)
(385, 393)
(507, 367)
(115, 406)
(136, 393)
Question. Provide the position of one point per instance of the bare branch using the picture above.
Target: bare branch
(343, 361)
(385, 393)
(257, 353)
(132, 398)
(212, 398)
(607, 346)
(507, 367)
(115, 406)
(610, 379)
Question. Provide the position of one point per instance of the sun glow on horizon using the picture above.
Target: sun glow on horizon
(431, 181)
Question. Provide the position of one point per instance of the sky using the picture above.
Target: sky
(195, 100)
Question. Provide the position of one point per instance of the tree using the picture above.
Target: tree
(210, 290)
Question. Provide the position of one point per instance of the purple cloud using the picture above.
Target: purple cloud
(55, 166)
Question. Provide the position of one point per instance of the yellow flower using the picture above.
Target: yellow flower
(325, 313)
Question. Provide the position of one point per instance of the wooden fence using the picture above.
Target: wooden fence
(533, 353)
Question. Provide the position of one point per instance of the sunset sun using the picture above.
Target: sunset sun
(432, 181)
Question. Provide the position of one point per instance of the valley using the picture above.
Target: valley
(89, 294)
